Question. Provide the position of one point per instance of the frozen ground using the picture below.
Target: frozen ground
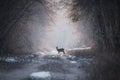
(47, 67)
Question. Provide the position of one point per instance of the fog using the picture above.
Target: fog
(45, 26)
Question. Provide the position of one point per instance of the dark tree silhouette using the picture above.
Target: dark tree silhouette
(11, 12)
(104, 17)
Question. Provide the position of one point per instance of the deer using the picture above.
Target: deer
(60, 50)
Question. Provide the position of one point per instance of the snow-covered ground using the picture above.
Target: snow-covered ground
(48, 67)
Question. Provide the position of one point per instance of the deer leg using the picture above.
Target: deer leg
(58, 52)
(64, 52)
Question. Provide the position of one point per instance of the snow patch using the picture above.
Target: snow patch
(72, 57)
(54, 52)
(73, 62)
(44, 53)
(10, 60)
(42, 75)
(84, 48)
